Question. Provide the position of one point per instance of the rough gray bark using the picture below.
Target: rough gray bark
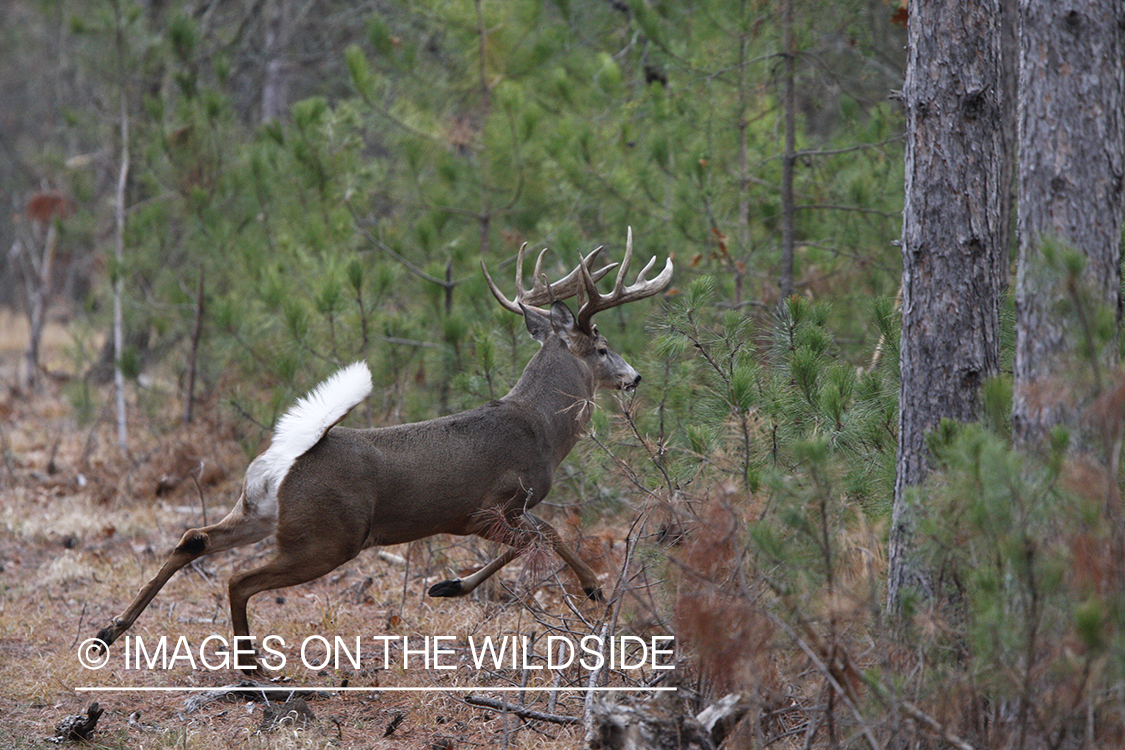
(1009, 78)
(952, 243)
(1071, 141)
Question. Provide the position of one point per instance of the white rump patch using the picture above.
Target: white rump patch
(299, 429)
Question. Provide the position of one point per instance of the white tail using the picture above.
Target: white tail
(312, 416)
(328, 492)
(302, 427)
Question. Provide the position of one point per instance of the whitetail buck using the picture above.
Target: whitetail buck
(328, 492)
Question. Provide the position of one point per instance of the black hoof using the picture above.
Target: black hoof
(447, 588)
(106, 636)
(595, 594)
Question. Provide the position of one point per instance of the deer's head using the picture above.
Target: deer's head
(557, 326)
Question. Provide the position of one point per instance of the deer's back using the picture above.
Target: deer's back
(410, 481)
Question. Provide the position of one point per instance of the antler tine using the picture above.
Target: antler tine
(521, 293)
(572, 282)
(619, 282)
(508, 304)
(542, 292)
(641, 288)
(537, 277)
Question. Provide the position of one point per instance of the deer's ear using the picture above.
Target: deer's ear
(562, 321)
(537, 324)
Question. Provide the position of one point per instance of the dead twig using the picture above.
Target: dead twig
(195, 475)
(196, 332)
(78, 632)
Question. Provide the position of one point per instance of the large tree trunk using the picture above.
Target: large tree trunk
(1071, 141)
(953, 243)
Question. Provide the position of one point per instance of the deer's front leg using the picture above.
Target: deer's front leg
(527, 531)
(462, 586)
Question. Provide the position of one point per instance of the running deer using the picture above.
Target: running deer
(327, 493)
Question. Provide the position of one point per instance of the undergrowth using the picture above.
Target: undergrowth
(782, 472)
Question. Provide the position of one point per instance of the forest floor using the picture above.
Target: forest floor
(83, 526)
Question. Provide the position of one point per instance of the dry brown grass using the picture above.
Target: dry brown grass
(82, 528)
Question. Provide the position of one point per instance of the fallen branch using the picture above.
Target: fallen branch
(79, 727)
(390, 557)
(649, 724)
(934, 726)
(520, 711)
(246, 691)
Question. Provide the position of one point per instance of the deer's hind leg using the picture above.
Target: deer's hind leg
(240, 527)
(524, 533)
(297, 561)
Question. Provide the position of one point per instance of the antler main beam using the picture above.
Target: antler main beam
(641, 288)
(542, 293)
(583, 282)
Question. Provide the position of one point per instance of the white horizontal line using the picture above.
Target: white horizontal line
(297, 689)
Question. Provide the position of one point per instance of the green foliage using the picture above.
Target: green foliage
(1023, 562)
(1090, 324)
(803, 547)
(354, 228)
(768, 405)
(448, 133)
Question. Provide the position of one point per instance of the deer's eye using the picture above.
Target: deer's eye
(603, 351)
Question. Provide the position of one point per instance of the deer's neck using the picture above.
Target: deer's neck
(558, 387)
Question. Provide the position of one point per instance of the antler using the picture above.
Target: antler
(541, 292)
(621, 294)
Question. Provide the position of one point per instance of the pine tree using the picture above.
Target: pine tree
(953, 246)
(1071, 168)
